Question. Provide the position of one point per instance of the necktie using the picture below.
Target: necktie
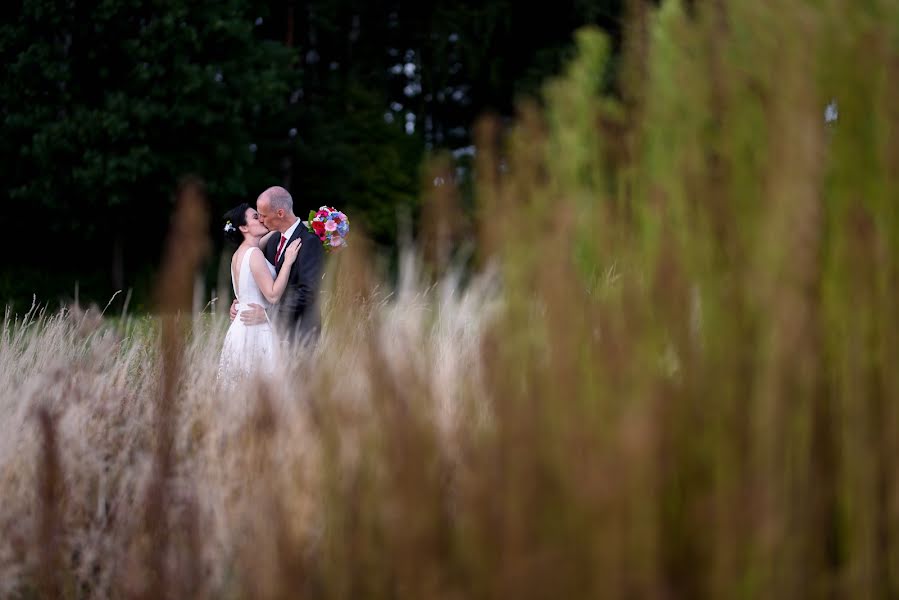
(280, 247)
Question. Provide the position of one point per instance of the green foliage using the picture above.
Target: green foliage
(108, 103)
(353, 160)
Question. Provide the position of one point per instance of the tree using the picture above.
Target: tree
(386, 83)
(106, 103)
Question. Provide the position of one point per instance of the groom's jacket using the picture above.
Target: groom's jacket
(298, 311)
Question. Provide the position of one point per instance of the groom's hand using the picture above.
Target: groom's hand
(254, 315)
(233, 310)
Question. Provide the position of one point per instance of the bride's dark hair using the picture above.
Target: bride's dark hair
(234, 218)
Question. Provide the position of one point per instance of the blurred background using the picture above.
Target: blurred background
(106, 104)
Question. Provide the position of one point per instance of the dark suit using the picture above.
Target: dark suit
(298, 313)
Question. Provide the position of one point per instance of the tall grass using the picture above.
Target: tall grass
(672, 375)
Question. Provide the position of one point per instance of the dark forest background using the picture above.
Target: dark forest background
(107, 103)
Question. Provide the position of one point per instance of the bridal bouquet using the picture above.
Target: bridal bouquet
(330, 225)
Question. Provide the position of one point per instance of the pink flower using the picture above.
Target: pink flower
(336, 240)
(330, 226)
(322, 214)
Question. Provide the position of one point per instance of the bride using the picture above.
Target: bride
(252, 348)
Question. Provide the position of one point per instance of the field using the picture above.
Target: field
(669, 370)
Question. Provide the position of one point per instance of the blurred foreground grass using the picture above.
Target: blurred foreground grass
(673, 377)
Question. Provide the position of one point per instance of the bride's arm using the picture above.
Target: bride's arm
(273, 289)
(264, 239)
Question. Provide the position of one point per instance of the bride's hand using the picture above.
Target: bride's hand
(291, 252)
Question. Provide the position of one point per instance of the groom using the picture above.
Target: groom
(298, 313)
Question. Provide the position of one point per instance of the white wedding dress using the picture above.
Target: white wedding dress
(248, 349)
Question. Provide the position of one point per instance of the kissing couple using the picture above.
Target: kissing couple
(276, 273)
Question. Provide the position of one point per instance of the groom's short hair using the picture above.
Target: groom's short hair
(278, 197)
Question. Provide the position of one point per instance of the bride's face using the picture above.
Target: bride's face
(254, 224)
